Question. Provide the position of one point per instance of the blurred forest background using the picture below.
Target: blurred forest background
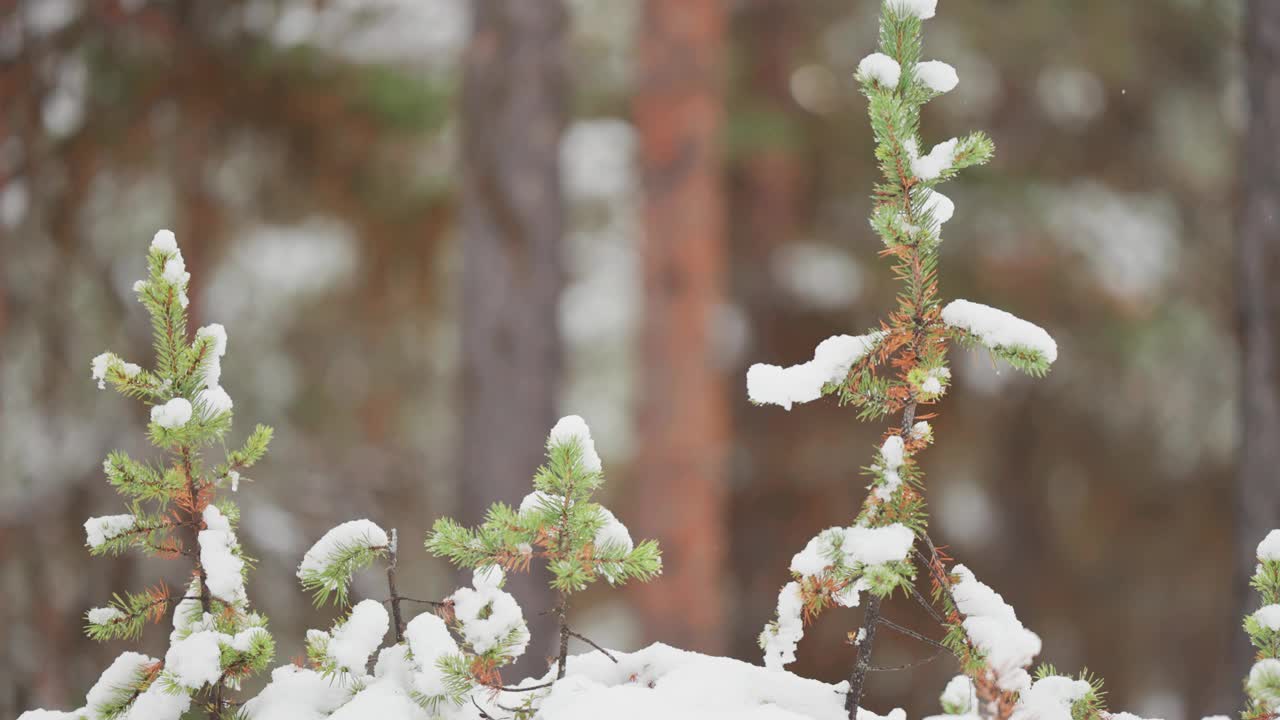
(433, 226)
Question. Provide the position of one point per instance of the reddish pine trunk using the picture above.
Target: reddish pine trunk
(683, 422)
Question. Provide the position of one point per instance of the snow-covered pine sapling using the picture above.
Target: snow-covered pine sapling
(173, 512)
(579, 540)
(425, 672)
(898, 369)
(1263, 684)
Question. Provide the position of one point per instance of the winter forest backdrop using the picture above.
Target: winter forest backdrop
(345, 177)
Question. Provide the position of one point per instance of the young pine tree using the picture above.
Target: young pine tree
(900, 370)
(578, 540)
(1263, 684)
(173, 511)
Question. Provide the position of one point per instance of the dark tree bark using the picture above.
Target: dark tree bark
(514, 107)
(683, 420)
(1258, 485)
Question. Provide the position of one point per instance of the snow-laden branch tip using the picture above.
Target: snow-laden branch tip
(488, 617)
(774, 385)
(939, 160)
(99, 530)
(220, 558)
(328, 566)
(937, 76)
(1050, 698)
(879, 68)
(994, 628)
(1023, 344)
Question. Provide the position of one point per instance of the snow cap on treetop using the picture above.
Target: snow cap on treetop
(165, 242)
(573, 427)
(923, 9)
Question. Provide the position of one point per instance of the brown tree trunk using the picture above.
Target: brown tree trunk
(1257, 489)
(683, 418)
(514, 107)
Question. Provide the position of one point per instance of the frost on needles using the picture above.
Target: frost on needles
(174, 510)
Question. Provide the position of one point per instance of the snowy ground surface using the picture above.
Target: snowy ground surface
(662, 682)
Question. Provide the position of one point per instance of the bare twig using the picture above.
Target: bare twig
(433, 603)
(912, 634)
(527, 688)
(592, 643)
(928, 606)
(909, 665)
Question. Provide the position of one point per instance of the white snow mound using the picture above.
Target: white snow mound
(663, 682)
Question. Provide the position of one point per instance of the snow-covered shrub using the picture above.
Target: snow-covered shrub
(173, 510)
(577, 540)
(446, 662)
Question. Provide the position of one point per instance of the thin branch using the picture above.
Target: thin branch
(433, 603)
(528, 688)
(592, 643)
(909, 665)
(483, 714)
(928, 606)
(912, 634)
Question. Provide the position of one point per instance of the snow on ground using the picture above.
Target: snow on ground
(663, 682)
